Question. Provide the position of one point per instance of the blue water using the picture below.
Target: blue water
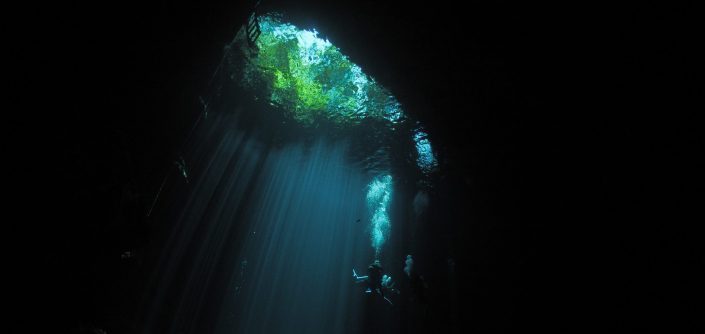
(266, 236)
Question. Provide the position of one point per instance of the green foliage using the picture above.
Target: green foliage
(312, 79)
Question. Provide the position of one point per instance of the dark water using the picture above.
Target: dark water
(268, 227)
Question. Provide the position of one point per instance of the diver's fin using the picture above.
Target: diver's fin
(388, 301)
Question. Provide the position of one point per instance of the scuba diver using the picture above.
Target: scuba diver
(376, 281)
(417, 283)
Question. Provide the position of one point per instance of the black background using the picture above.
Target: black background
(576, 129)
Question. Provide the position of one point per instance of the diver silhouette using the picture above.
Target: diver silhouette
(417, 283)
(376, 281)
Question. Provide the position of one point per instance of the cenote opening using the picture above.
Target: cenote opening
(315, 166)
(301, 171)
(311, 189)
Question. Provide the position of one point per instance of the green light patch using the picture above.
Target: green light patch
(310, 78)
